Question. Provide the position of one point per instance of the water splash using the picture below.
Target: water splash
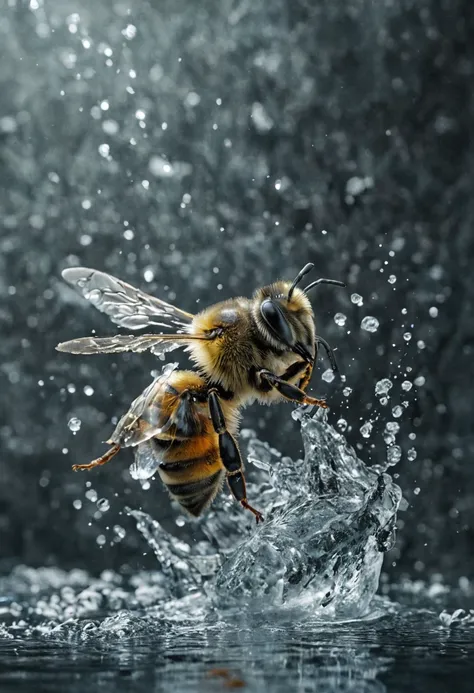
(329, 519)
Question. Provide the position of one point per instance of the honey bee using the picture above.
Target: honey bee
(185, 424)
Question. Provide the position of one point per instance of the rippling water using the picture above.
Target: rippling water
(405, 649)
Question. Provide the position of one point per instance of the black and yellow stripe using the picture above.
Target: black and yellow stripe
(195, 496)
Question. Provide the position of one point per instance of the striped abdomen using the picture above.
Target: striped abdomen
(193, 472)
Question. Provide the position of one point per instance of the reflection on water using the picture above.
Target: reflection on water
(406, 650)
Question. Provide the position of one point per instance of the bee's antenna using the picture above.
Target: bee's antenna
(307, 268)
(323, 281)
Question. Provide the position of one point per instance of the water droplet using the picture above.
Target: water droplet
(416, 490)
(411, 454)
(406, 385)
(420, 381)
(366, 429)
(101, 540)
(74, 424)
(342, 424)
(392, 279)
(370, 324)
(433, 312)
(328, 375)
(383, 386)
(407, 336)
(393, 455)
(357, 299)
(340, 319)
(129, 32)
(77, 504)
(103, 505)
(104, 150)
(392, 426)
(397, 411)
(91, 495)
(119, 532)
(110, 127)
(347, 391)
(88, 391)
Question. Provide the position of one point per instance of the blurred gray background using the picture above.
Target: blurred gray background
(198, 150)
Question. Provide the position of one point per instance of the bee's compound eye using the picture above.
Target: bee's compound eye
(276, 321)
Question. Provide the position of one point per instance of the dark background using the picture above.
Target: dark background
(336, 132)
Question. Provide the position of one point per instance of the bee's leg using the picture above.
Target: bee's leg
(329, 352)
(289, 391)
(295, 369)
(106, 457)
(230, 455)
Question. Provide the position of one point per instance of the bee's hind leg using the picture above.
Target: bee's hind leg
(230, 455)
(106, 457)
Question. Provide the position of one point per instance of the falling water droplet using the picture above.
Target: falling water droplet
(406, 385)
(74, 424)
(411, 454)
(328, 375)
(340, 319)
(370, 324)
(357, 299)
(119, 532)
(392, 426)
(342, 424)
(103, 505)
(397, 411)
(383, 386)
(366, 429)
(393, 455)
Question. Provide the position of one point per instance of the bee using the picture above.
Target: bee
(185, 424)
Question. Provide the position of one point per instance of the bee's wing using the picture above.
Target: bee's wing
(146, 417)
(157, 344)
(125, 305)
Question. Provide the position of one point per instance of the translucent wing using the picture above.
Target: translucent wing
(125, 305)
(146, 417)
(157, 344)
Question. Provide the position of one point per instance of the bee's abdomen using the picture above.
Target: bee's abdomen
(193, 474)
(195, 496)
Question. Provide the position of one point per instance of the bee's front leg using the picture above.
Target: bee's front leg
(230, 455)
(299, 368)
(290, 392)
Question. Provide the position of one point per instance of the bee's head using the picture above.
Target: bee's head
(284, 315)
